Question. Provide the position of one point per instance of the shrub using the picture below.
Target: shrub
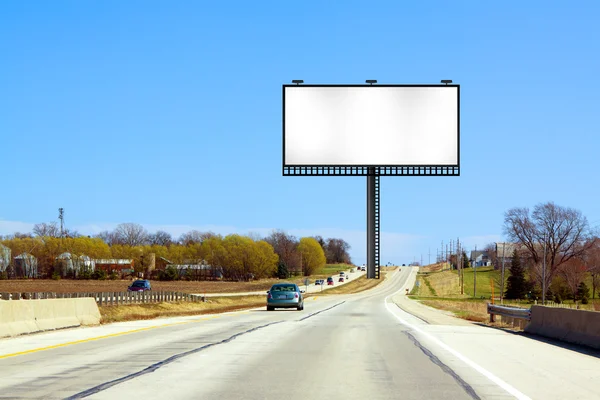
(169, 274)
(557, 298)
(114, 275)
(99, 274)
(55, 276)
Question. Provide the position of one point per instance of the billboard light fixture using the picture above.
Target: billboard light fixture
(446, 81)
(297, 81)
(371, 81)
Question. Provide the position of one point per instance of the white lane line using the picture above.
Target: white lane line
(511, 390)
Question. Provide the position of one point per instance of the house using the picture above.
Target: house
(480, 258)
(26, 266)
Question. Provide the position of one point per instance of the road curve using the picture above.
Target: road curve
(360, 346)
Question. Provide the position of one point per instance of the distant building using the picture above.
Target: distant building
(198, 271)
(162, 263)
(120, 265)
(481, 258)
(4, 258)
(69, 265)
(26, 266)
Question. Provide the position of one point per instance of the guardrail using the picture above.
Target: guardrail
(111, 298)
(516, 316)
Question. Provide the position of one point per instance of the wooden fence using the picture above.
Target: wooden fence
(111, 298)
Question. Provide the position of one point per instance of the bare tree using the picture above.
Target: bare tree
(285, 247)
(46, 230)
(71, 233)
(592, 260)
(131, 234)
(108, 237)
(490, 250)
(573, 272)
(19, 235)
(559, 232)
(160, 238)
(194, 236)
(336, 251)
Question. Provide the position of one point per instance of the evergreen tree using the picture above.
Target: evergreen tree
(465, 260)
(282, 270)
(583, 293)
(516, 287)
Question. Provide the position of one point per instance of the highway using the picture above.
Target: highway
(362, 346)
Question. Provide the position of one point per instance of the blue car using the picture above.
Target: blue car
(285, 295)
(141, 285)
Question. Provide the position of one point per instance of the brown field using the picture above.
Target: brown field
(80, 286)
(150, 311)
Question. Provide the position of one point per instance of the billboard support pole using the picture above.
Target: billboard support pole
(373, 218)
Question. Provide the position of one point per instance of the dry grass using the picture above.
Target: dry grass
(469, 310)
(150, 311)
(435, 267)
(358, 285)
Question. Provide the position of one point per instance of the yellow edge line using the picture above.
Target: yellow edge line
(56, 346)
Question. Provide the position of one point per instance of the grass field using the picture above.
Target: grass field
(441, 290)
(446, 283)
(151, 311)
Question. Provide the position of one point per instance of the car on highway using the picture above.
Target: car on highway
(341, 279)
(363, 268)
(330, 281)
(285, 295)
(320, 282)
(141, 285)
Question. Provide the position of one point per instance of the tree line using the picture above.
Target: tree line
(555, 252)
(239, 257)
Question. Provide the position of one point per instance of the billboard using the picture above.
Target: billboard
(371, 126)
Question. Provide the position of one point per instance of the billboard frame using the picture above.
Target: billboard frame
(364, 169)
(373, 172)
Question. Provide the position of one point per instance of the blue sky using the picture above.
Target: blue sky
(168, 114)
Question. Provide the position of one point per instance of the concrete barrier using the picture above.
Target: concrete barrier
(16, 318)
(573, 326)
(29, 316)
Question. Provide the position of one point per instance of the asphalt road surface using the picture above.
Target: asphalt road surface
(358, 346)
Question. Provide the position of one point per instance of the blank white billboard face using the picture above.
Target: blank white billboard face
(371, 125)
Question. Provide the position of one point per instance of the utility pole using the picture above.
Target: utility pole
(460, 263)
(502, 275)
(61, 216)
(474, 264)
(544, 274)
(446, 258)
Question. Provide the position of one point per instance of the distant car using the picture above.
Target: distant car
(341, 279)
(141, 285)
(330, 281)
(363, 268)
(319, 282)
(342, 273)
(285, 295)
